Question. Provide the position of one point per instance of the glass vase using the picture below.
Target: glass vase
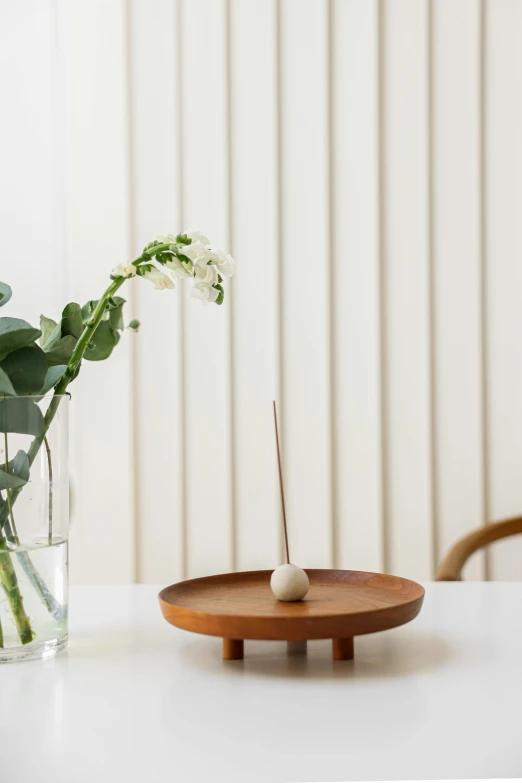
(34, 526)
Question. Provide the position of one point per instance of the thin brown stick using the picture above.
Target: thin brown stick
(281, 482)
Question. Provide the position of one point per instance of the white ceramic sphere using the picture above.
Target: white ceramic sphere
(289, 583)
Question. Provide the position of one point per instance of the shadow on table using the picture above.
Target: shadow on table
(376, 656)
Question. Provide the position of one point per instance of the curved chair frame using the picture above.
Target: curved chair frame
(450, 570)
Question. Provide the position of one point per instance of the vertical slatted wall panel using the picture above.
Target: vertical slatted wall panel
(31, 205)
(358, 478)
(406, 280)
(456, 37)
(253, 73)
(156, 189)
(102, 537)
(204, 102)
(305, 266)
(345, 76)
(503, 128)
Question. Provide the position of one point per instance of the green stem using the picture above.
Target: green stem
(8, 492)
(7, 535)
(81, 345)
(7, 573)
(90, 328)
(79, 351)
(77, 356)
(53, 606)
(9, 582)
(50, 466)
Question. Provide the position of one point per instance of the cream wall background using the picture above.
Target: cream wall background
(362, 160)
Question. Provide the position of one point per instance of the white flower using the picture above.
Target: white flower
(204, 292)
(206, 274)
(196, 260)
(165, 239)
(159, 279)
(179, 268)
(224, 262)
(197, 236)
(124, 270)
(197, 253)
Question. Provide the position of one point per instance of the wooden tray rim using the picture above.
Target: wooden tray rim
(278, 627)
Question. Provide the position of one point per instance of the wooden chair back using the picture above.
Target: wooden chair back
(450, 570)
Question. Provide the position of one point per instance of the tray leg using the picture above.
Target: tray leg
(232, 649)
(296, 648)
(342, 649)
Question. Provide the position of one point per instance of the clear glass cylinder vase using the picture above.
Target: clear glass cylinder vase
(34, 526)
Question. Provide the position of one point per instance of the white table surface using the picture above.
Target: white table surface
(135, 699)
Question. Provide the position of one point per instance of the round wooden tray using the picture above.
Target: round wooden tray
(339, 606)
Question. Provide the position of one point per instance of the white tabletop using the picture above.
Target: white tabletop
(135, 699)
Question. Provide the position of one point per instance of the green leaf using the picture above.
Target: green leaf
(16, 474)
(114, 303)
(221, 294)
(116, 312)
(26, 369)
(22, 415)
(53, 339)
(47, 327)
(16, 333)
(8, 481)
(53, 376)
(6, 387)
(20, 465)
(72, 320)
(61, 351)
(5, 294)
(88, 309)
(134, 324)
(102, 343)
(144, 268)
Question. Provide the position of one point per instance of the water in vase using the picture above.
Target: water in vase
(33, 600)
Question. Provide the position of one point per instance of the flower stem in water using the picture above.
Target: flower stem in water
(50, 464)
(8, 491)
(14, 597)
(53, 606)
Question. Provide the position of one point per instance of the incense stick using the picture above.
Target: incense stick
(281, 482)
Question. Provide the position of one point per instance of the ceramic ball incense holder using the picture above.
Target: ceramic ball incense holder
(291, 604)
(289, 583)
